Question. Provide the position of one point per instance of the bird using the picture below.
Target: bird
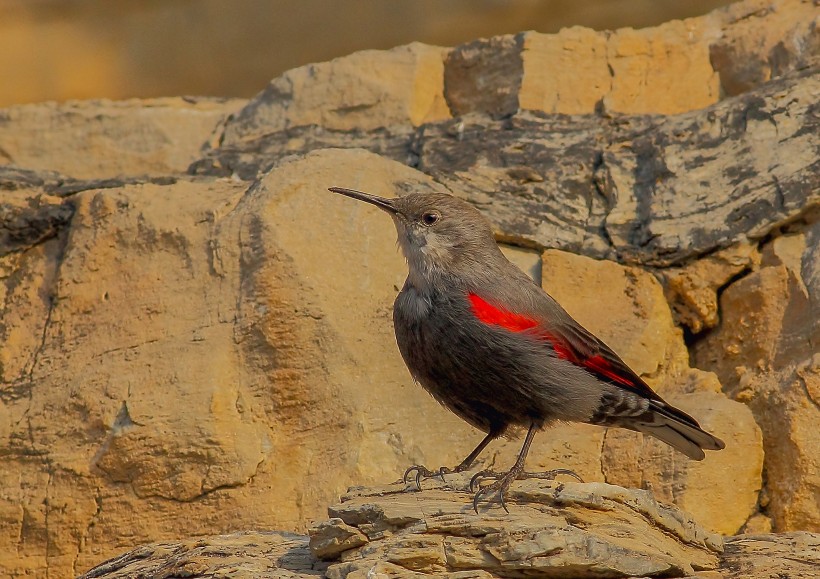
(492, 346)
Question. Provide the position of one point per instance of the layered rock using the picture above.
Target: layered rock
(552, 530)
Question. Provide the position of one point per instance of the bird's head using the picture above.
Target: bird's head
(438, 233)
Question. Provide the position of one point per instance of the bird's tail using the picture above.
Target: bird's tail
(675, 428)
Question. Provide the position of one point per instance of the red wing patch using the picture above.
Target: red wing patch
(513, 322)
(495, 316)
(601, 367)
(498, 317)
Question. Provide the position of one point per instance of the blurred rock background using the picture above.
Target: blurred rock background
(81, 49)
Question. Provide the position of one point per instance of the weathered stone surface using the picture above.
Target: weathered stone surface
(721, 492)
(331, 538)
(765, 354)
(589, 530)
(625, 306)
(632, 188)
(275, 555)
(763, 39)
(484, 76)
(692, 290)
(29, 217)
(360, 92)
(672, 203)
(792, 555)
(665, 70)
(244, 555)
(189, 352)
(104, 139)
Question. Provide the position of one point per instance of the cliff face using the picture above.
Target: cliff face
(196, 336)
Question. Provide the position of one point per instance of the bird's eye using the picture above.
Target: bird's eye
(429, 218)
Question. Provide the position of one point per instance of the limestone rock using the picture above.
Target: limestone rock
(793, 555)
(333, 537)
(189, 352)
(764, 352)
(628, 188)
(692, 290)
(763, 39)
(104, 139)
(720, 492)
(363, 91)
(665, 69)
(275, 555)
(625, 306)
(590, 529)
(244, 555)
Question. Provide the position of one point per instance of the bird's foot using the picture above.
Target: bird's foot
(503, 481)
(422, 472)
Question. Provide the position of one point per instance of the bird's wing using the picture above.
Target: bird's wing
(569, 340)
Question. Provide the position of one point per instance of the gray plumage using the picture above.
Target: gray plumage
(493, 347)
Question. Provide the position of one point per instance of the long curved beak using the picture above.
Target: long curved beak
(380, 202)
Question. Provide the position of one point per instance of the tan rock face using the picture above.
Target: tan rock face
(625, 307)
(276, 555)
(192, 356)
(692, 290)
(201, 407)
(765, 352)
(674, 56)
(102, 139)
(370, 89)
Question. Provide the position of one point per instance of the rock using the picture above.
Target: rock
(591, 529)
(625, 306)
(104, 139)
(29, 218)
(276, 555)
(331, 538)
(363, 91)
(189, 352)
(628, 188)
(761, 40)
(764, 351)
(790, 555)
(718, 501)
(692, 290)
(243, 555)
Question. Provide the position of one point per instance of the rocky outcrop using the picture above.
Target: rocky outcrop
(208, 351)
(765, 352)
(553, 530)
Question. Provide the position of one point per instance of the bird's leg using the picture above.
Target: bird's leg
(422, 471)
(504, 480)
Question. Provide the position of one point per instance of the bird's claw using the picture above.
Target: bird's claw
(503, 481)
(422, 472)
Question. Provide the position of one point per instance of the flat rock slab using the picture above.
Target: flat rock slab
(261, 555)
(784, 556)
(553, 529)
